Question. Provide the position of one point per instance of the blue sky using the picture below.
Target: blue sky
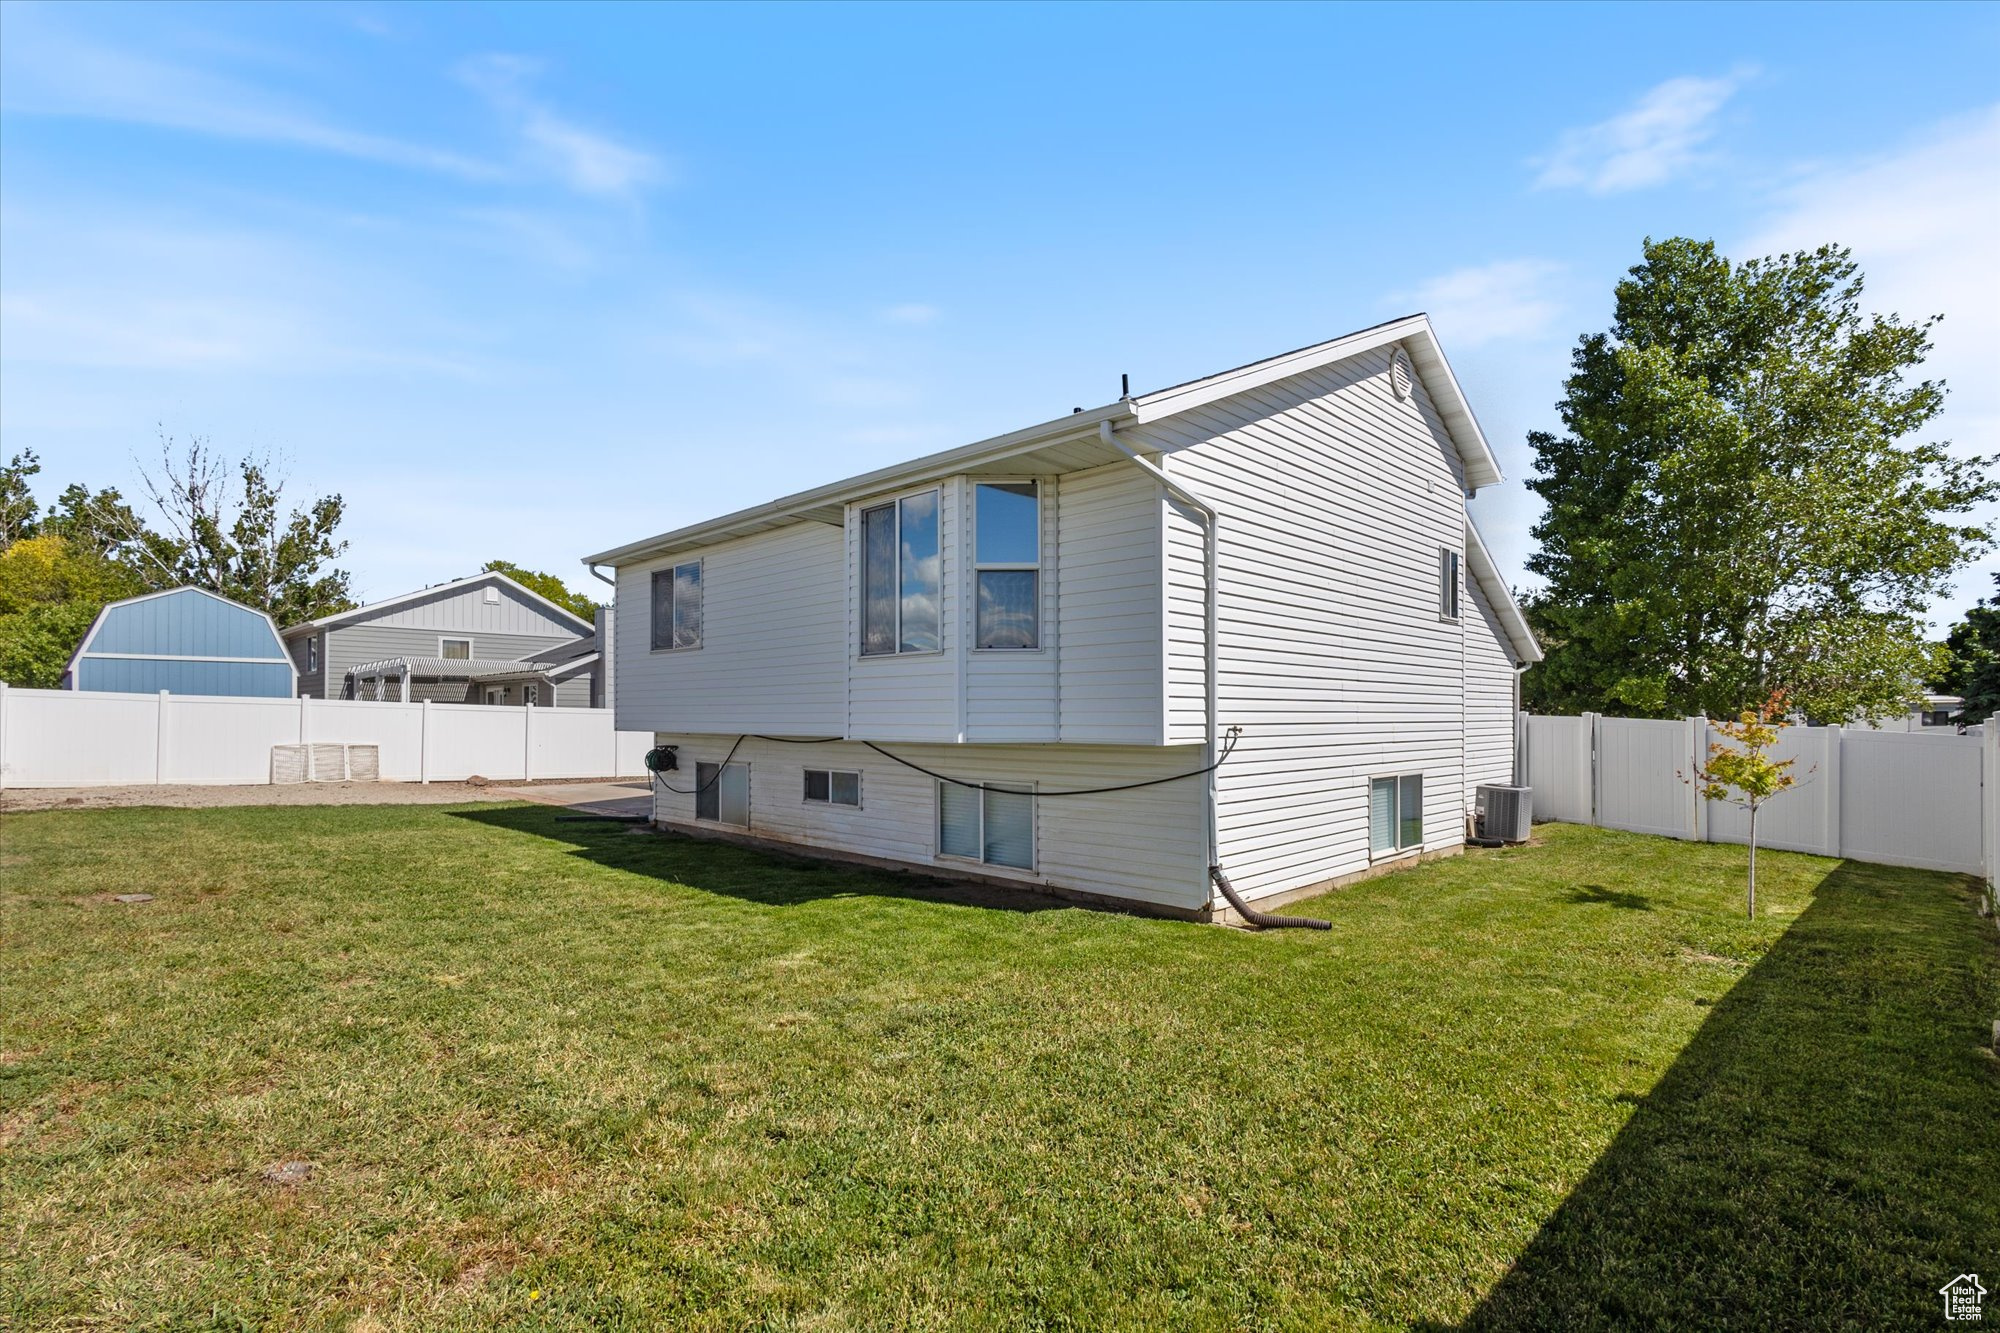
(526, 282)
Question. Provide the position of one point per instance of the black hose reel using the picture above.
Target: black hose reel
(662, 759)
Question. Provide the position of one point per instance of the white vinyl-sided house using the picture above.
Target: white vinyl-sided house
(970, 663)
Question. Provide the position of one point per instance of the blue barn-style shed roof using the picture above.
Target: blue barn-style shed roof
(185, 641)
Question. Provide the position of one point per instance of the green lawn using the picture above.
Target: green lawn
(562, 1075)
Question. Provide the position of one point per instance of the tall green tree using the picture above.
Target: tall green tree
(18, 506)
(1972, 659)
(1735, 506)
(548, 585)
(50, 591)
(225, 527)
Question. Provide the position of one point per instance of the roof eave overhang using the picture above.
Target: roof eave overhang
(1481, 564)
(827, 503)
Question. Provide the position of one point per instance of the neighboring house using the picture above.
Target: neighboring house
(183, 641)
(1031, 612)
(485, 639)
(1930, 710)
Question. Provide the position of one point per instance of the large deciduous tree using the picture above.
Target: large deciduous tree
(240, 542)
(1736, 505)
(1972, 659)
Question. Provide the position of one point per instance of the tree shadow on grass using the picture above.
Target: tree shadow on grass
(760, 874)
(1824, 1154)
(1620, 898)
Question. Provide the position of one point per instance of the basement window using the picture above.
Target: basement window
(996, 827)
(1395, 814)
(831, 786)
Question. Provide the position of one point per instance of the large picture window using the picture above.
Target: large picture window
(997, 827)
(901, 577)
(677, 606)
(1007, 529)
(1395, 814)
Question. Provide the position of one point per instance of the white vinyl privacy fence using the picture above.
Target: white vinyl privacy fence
(70, 738)
(1919, 798)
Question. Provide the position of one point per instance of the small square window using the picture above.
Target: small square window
(832, 787)
(455, 650)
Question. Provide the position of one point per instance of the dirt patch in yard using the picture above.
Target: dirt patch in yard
(568, 791)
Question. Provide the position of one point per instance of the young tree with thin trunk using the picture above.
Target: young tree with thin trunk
(1740, 770)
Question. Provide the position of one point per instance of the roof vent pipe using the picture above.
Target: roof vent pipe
(1209, 524)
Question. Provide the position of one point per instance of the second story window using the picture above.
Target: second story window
(1447, 584)
(312, 655)
(1007, 527)
(455, 650)
(901, 577)
(677, 606)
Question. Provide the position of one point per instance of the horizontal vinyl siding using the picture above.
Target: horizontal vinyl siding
(1334, 500)
(1110, 589)
(1145, 845)
(773, 620)
(1489, 695)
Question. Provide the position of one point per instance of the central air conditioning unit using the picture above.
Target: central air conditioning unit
(1502, 812)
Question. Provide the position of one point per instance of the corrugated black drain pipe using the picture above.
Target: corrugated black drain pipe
(1263, 920)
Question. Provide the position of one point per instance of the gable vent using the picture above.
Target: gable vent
(492, 596)
(1402, 379)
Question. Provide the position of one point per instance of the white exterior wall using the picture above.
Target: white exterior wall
(780, 649)
(1335, 498)
(770, 657)
(1489, 695)
(1112, 611)
(1145, 844)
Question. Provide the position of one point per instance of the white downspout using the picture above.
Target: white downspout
(1208, 649)
(1211, 751)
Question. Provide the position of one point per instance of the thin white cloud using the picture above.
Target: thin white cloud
(1510, 299)
(1922, 222)
(913, 312)
(585, 160)
(44, 71)
(1661, 137)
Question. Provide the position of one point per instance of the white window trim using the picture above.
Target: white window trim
(860, 791)
(1457, 560)
(979, 566)
(471, 648)
(312, 654)
(861, 572)
(493, 695)
(938, 853)
(670, 571)
(1397, 853)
